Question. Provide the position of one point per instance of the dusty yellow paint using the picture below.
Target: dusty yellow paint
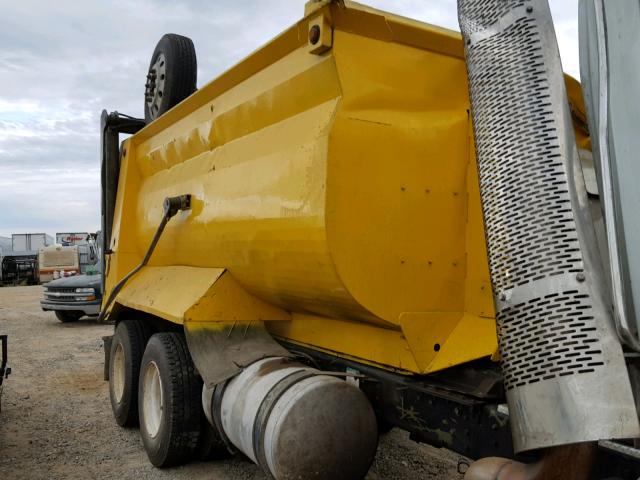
(358, 341)
(182, 294)
(161, 290)
(338, 191)
(227, 301)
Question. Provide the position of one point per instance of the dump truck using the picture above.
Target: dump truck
(372, 222)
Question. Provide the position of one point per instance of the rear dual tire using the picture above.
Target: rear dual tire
(127, 349)
(154, 383)
(169, 401)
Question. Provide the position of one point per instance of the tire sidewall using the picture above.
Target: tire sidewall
(126, 410)
(156, 447)
(172, 91)
(163, 47)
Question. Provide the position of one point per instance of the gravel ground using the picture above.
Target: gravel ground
(56, 420)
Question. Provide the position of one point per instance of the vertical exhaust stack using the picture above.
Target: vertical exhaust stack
(564, 372)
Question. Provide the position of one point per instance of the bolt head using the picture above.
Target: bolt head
(314, 34)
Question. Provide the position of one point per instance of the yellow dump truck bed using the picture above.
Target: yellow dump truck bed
(334, 197)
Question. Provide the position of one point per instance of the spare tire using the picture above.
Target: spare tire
(172, 75)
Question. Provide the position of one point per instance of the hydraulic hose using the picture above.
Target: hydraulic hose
(171, 206)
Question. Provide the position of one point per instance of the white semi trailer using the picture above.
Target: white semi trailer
(30, 242)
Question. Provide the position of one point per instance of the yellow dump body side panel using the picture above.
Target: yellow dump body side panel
(399, 158)
(340, 188)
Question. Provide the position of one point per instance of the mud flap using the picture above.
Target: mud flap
(222, 350)
(564, 371)
(225, 330)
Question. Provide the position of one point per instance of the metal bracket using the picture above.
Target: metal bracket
(111, 125)
(5, 371)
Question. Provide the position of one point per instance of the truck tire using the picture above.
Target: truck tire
(172, 75)
(127, 348)
(68, 316)
(169, 400)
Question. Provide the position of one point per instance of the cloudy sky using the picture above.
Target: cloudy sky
(62, 62)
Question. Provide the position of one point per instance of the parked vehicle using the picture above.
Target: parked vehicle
(58, 261)
(5, 244)
(30, 242)
(374, 198)
(86, 243)
(19, 268)
(5, 249)
(72, 238)
(71, 298)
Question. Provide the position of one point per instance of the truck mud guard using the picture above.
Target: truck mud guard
(565, 376)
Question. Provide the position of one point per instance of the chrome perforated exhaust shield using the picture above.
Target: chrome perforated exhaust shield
(564, 371)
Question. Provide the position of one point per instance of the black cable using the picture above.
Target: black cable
(171, 206)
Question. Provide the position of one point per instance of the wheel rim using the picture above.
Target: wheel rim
(152, 402)
(155, 85)
(118, 373)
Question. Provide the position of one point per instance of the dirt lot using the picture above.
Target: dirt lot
(56, 420)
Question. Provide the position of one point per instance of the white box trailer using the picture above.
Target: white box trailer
(30, 242)
(5, 248)
(5, 245)
(72, 238)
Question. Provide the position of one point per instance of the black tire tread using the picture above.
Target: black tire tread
(186, 62)
(181, 80)
(184, 418)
